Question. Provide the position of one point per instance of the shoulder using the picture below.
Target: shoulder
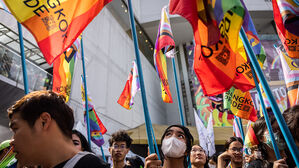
(91, 161)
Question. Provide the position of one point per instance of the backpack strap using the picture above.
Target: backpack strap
(74, 160)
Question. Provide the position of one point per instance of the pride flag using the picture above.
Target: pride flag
(216, 26)
(250, 138)
(236, 130)
(55, 24)
(240, 103)
(286, 17)
(63, 70)
(290, 69)
(164, 43)
(126, 99)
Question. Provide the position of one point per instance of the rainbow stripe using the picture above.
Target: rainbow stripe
(63, 70)
(164, 43)
(8, 159)
(274, 63)
(55, 24)
(250, 138)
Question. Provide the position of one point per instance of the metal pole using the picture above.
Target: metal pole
(23, 59)
(142, 87)
(240, 125)
(266, 116)
(156, 146)
(284, 129)
(178, 92)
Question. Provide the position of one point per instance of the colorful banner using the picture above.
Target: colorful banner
(164, 43)
(63, 70)
(291, 75)
(55, 24)
(250, 138)
(286, 17)
(126, 99)
(240, 103)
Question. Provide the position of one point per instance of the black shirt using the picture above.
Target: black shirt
(87, 161)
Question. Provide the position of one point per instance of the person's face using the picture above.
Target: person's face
(236, 149)
(118, 151)
(77, 142)
(27, 141)
(175, 132)
(197, 156)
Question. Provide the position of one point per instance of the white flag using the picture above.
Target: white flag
(202, 132)
(210, 137)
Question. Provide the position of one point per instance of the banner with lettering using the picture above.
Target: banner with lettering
(55, 25)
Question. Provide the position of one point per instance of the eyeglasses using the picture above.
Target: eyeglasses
(119, 146)
(236, 149)
(197, 150)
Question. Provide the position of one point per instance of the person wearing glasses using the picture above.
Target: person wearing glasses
(119, 147)
(232, 155)
(198, 157)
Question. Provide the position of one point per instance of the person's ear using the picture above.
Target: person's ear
(45, 120)
(110, 150)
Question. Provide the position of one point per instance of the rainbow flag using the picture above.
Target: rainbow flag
(63, 70)
(164, 43)
(55, 24)
(240, 103)
(216, 26)
(286, 17)
(250, 138)
(236, 130)
(126, 98)
(97, 128)
(291, 75)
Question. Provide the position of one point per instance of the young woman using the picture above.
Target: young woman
(80, 141)
(198, 157)
(233, 154)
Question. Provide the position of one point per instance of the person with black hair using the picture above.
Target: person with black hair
(176, 147)
(119, 143)
(135, 162)
(80, 141)
(198, 157)
(233, 153)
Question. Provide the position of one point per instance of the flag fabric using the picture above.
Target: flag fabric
(126, 99)
(291, 75)
(250, 138)
(63, 70)
(216, 26)
(55, 24)
(3, 6)
(210, 137)
(164, 43)
(236, 130)
(97, 128)
(240, 103)
(202, 132)
(286, 17)
(8, 158)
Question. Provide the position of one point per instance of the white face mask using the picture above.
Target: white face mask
(174, 148)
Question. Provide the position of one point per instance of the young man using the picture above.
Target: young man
(42, 125)
(119, 147)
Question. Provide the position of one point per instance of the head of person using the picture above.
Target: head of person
(80, 141)
(291, 117)
(119, 143)
(135, 161)
(176, 142)
(234, 146)
(38, 120)
(198, 157)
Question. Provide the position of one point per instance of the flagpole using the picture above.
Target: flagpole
(240, 125)
(284, 129)
(266, 116)
(86, 99)
(25, 80)
(156, 146)
(142, 87)
(178, 92)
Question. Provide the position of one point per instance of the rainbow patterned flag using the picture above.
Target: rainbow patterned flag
(240, 103)
(63, 70)
(164, 43)
(126, 99)
(55, 24)
(250, 138)
(236, 130)
(286, 17)
(216, 26)
(291, 75)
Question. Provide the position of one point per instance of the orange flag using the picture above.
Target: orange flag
(55, 24)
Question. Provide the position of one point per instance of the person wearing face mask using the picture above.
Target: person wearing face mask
(198, 157)
(176, 146)
(233, 153)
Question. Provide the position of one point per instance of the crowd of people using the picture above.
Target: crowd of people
(43, 136)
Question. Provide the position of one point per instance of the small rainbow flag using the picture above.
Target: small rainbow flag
(8, 159)
(250, 138)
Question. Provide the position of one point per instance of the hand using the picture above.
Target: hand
(223, 158)
(151, 161)
(281, 163)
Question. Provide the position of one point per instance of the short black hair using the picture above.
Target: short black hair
(84, 144)
(231, 140)
(121, 136)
